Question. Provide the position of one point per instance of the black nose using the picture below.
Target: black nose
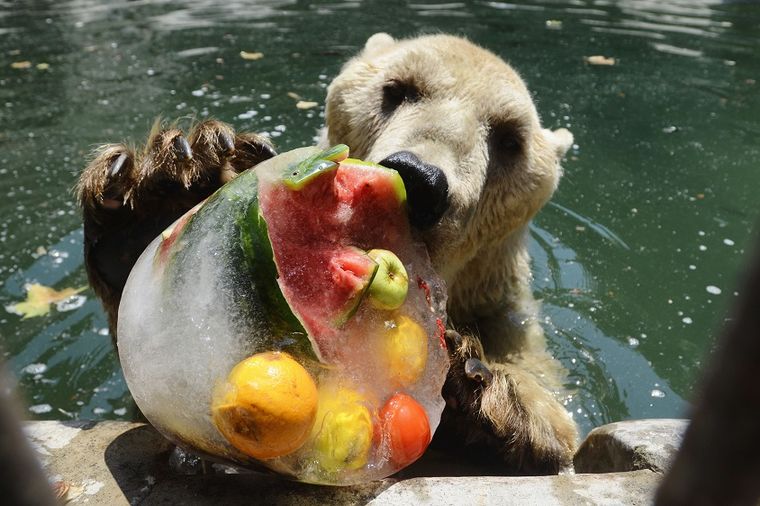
(427, 190)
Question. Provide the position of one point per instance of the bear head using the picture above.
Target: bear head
(461, 119)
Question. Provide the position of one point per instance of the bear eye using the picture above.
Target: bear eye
(505, 139)
(396, 93)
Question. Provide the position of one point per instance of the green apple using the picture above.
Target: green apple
(391, 282)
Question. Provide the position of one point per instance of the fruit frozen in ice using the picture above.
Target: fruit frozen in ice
(279, 263)
(391, 283)
(407, 428)
(404, 350)
(354, 271)
(343, 431)
(267, 406)
(299, 175)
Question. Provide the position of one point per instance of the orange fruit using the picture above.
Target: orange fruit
(405, 351)
(268, 405)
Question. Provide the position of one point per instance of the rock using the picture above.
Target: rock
(121, 463)
(630, 445)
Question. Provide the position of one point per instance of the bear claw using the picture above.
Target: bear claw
(117, 165)
(477, 371)
(453, 339)
(128, 198)
(227, 142)
(267, 150)
(182, 148)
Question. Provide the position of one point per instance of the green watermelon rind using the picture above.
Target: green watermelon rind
(259, 258)
(238, 200)
(299, 174)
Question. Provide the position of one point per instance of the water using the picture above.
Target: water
(636, 259)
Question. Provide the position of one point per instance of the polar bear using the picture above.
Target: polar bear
(459, 124)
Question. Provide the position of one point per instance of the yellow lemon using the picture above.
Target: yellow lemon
(268, 406)
(343, 432)
(405, 350)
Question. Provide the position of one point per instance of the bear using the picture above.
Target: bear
(460, 126)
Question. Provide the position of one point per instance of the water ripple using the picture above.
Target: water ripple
(628, 32)
(515, 7)
(600, 229)
(680, 51)
(438, 7)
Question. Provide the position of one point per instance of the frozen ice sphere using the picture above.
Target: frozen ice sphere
(268, 289)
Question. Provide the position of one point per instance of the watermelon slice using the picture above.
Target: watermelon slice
(321, 218)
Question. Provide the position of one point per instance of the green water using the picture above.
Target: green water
(652, 219)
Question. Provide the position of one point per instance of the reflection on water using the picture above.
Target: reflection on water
(635, 260)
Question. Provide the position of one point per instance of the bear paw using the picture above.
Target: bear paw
(130, 197)
(501, 415)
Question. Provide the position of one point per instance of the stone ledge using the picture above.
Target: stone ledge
(118, 463)
(631, 488)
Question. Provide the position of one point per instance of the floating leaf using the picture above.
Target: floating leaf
(21, 64)
(251, 56)
(600, 60)
(39, 298)
(301, 104)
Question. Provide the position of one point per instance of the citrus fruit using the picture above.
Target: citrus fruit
(268, 406)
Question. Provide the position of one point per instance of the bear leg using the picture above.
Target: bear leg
(128, 197)
(501, 414)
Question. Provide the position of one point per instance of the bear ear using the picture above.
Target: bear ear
(561, 139)
(377, 43)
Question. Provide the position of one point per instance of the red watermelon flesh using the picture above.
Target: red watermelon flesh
(319, 235)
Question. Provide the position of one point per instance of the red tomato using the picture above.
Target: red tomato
(406, 425)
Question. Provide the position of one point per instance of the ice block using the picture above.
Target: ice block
(291, 320)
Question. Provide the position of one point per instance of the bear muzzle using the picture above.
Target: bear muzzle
(427, 189)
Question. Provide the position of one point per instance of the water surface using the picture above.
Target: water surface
(636, 259)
